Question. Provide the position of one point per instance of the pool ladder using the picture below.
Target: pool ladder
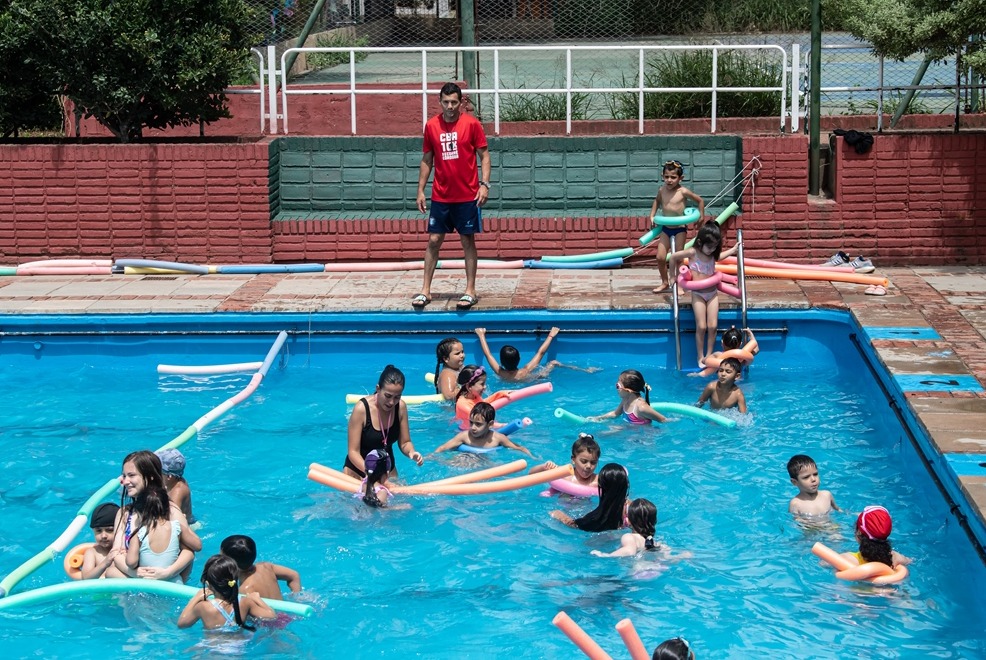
(741, 280)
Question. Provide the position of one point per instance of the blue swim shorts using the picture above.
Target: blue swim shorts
(463, 217)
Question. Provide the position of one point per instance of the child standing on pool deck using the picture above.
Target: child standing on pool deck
(97, 562)
(810, 501)
(585, 458)
(259, 578)
(614, 484)
(450, 356)
(724, 392)
(633, 407)
(702, 257)
(670, 199)
(228, 609)
(508, 370)
(480, 433)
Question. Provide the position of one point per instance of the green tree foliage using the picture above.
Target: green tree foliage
(900, 28)
(135, 64)
(27, 97)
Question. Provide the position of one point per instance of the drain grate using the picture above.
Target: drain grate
(160, 278)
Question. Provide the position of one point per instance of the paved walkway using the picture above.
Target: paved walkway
(939, 361)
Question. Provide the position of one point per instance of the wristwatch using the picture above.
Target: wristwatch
(485, 184)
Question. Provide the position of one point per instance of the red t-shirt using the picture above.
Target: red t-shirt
(454, 146)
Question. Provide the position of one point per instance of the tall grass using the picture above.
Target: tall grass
(535, 106)
(694, 69)
(317, 61)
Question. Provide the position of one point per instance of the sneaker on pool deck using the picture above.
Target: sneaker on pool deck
(862, 265)
(840, 258)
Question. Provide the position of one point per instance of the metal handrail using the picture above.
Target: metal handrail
(674, 309)
(569, 89)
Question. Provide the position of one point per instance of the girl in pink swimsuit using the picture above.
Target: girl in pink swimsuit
(634, 401)
(702, 257)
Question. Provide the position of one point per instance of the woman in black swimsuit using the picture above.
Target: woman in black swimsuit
(379, 422)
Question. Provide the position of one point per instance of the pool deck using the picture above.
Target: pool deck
(929, 330)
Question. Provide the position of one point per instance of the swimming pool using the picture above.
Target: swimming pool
(483, 575)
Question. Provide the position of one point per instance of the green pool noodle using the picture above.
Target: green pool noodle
(664, 407)
(127, 585)
(595, 256)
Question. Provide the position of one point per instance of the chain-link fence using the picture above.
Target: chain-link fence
(853, 80)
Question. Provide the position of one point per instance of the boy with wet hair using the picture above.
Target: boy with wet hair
(480, 434)
(507, 369)
(810, 501)
(257, 578)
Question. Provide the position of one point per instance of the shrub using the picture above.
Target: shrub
(317, 61)
(694, 69)
(535, 106)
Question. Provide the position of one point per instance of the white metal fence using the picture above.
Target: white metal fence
(278, 84)
(422, 71)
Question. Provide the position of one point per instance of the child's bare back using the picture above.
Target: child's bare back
(263, 580)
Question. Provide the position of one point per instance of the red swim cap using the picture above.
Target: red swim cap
(875, 522)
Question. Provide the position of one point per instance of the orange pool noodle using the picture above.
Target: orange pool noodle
(792, 274)
(632, 640)
(333, 481)
(579, 637)
(484, 487)
(479, 475)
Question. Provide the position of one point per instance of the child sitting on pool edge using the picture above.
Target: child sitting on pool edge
(480, 433)
(810, 501)
(585, 458)
(260, 578)
(97, 562)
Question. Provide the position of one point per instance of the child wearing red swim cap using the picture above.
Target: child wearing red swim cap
(873, 527)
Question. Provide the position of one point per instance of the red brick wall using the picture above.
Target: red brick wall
(914, 199)
(198, 203)
(397, 240)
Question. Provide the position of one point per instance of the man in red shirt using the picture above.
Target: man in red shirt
(451, 142)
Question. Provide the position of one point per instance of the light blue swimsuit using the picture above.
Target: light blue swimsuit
(161, 559)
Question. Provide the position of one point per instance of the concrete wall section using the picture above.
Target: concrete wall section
(361, 178)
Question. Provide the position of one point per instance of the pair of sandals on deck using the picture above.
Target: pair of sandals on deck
(467, 301)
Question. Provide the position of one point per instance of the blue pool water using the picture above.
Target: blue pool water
(484, 575)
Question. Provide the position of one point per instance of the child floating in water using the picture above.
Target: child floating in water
(642, 517)
(676, 648)
(585, 458)
(873, 527)
(258, 578)
(732, 340)
(228, 610)
(724, 392)
(633, 407)
(480, 433)
(810, 501)
(614, 484)
(508, 369)
(472, 387)
(450, 357)
(97, 562)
